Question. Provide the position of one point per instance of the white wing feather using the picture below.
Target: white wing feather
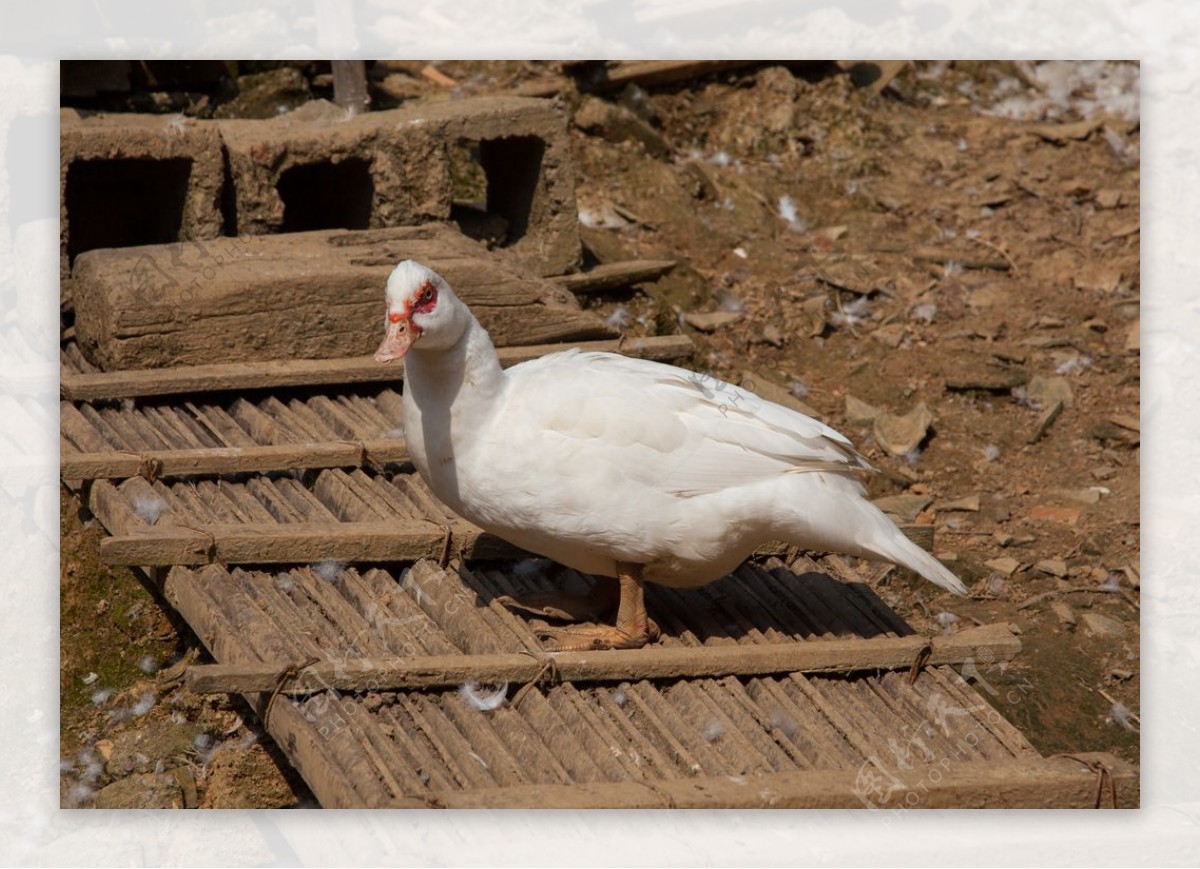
(674, 430)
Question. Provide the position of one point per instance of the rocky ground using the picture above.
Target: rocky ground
(945, 268)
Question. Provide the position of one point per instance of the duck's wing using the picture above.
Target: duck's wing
(677, 431)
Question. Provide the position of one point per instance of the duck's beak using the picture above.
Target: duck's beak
(401, 333)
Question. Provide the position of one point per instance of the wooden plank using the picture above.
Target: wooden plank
(233, 460)
(654, 662)
(307, 746)
(1054, 782)
(299, 542)
(318, 372)
(610, 276)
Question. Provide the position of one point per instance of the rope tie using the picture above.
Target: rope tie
(919, 662)
(1104, 777)
(287, 674)
(548, 671)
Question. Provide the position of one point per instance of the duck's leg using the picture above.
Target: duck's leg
(633, 629)
(597, 604)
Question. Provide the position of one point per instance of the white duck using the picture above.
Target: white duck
(620, 467)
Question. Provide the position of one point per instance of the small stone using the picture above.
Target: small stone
(859, 412)
(1104, 472)
(903, 507)
(711, 322)
(900, 435)
(1005, 565)
(1002, 539)
(1121, 675)
(1048, 513)
(1045, 421)
(1132, 423)
(1090, 495)
(142, 791)
(1052, 566)
(1103, 626)
(772, 335)
(969, 504)
(618, 124)
(946, 556)
(833, 233)
(1047, 390)
(1065, 614)
(891, 335)
(1133, 337)
(1098, 278)
(1108, 198)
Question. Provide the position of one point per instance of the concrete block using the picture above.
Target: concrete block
(316, 168)
(129, 180)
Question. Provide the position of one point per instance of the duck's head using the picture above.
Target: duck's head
(420, 307)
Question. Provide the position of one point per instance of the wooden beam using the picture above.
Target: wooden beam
(232, 460)
(1027, 783)
(654, 662)
(299, 542)
(610, 276)
(317, 372)
(650, 73)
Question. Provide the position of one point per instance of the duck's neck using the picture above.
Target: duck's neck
(468, 371)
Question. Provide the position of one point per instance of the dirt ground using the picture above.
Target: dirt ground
(947, 271)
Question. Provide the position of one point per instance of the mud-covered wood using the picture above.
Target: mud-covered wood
(1026, 783)
(232, 460)
(301, 295)
(224, 377)
(611, 276)
(302, 542)
(828, 656)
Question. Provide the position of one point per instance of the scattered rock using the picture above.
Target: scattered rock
(1097, 277)
(1132, 423)
(1104, 472)
(1065, 614)
(1005, 565)
(711, 322)
(1048, 513)
(859, 412)
(1133, 337)
(1121, 675)
(1102, 626)
(1052, 567)
(1045, 421)
(772, 335)
(618, 124)
(1108, 198)
(833, 233)
(900, 435)
(969, 504)
(1090, 495)
(142, 791)
(1047, 390)
(891, 335)
(903, 507)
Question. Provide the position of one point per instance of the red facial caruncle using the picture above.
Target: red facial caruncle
(401, 330)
